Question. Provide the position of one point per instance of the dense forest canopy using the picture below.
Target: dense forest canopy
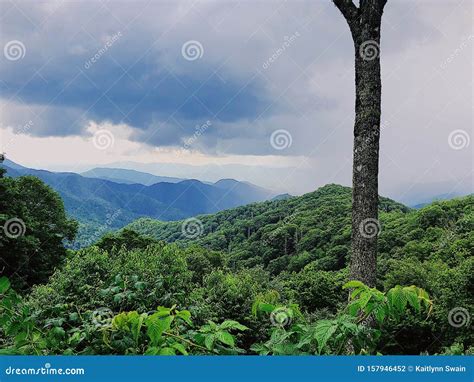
(266, 278)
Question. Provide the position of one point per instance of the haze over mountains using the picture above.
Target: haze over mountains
(104, 199)
(117, 197)
(127, 176)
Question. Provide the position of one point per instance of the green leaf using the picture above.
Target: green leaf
(156, 325)
(179, 347)
(120, 321)
(323, 332)
(58, 331)
(364, 299)
(354, 284)
(264, 307)
(137, 324)
(412, 298)
(230, 324)
(209, 341)
(162, 311)
(4, 284)
(356, 292)
(397, 299)
(152, 350)
(380, 314)
(185, 315)
(353, 308)
(226, 338)
(167, 351)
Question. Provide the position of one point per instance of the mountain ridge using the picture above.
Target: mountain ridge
(104, 205)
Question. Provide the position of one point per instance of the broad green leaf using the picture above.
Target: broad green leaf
(152, 350)
(167, 351)
(354, 284)
(162, 311)
(353, 308)
(226, 338)
(209, 341)
(364, 299)
(356, 292)
(265, 307)
(185, 315)
(137, 324)
(380, 314)
(120, 321)
(397, 299)
(156, 326)
(179, 347)
(230, 324)
(323, 332)
(412, 298)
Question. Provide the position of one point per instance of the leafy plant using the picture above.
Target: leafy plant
(389, 305)
(350, 332)
(217, 337)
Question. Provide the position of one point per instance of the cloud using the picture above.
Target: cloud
(263, 66)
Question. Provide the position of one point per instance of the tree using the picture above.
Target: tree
(364, 23)
(33, 227)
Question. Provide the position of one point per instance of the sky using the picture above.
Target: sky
(261, 91)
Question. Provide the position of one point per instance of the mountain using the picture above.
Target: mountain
(126, 176)
(282, 197)
(12, 165)
(420, 194)
(429, 200)
(242, 189)
(102, 205)
(316, 228)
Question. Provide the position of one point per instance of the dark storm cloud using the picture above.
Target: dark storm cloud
(110, 62)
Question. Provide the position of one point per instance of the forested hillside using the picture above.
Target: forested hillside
(280, 235)
(267, 278)
(103, 205)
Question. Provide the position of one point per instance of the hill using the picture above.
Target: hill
(303, 244)
(102, 205)
(277, 234)
(280, 253)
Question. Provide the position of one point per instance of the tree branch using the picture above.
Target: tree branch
(348, 9)
(382, 4)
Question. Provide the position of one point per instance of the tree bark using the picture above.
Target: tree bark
(364, 23)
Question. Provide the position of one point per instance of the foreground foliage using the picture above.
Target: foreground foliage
(169, 331)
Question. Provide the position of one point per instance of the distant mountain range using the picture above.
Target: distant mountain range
(126, 176)
(117, 197)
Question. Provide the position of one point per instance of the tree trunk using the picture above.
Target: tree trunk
(364, 23)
